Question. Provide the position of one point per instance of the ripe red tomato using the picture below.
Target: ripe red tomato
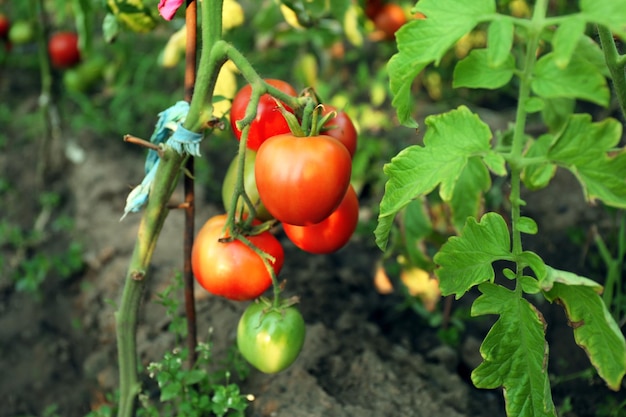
(270, 339)
(249, 183)
(341, 128)
(389, 19)
(269, 120)
(63, 50)
(302, 180)
(330, 234)
(5, 25)
(231, 269)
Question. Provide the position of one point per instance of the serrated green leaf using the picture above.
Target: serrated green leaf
(417, 226)
(515, 353)
(424, 41)
(499, 41)
(580, 80)
(450, 140)
(526, 225)
(610, 13)
(467, 199)
(530, 285)
(556, 112)
(533, 261)
(566, 38)
(595, 330)
(538, 175)
(466, 260)
(589, 50)
(585, 148)
(554, 276)
(171, 390)
(534, 104)
(474, 71)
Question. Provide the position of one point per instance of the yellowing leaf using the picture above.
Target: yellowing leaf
(174, 49)
(232, 15)
(290, 17)
(351, 26)
(421, 284)
(225, 87)
(381, 281)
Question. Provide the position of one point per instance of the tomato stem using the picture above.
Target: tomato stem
(267, 261)
(519, 137)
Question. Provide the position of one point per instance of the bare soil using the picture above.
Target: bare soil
(362, 356)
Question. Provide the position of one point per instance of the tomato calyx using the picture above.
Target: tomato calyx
(278, 304)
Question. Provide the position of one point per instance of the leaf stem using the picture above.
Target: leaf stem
(516, 157)
(615, 62)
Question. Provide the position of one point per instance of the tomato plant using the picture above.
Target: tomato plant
(5, 25)
(63, 49)
(330, 234)
(270, 338)
(302, 180)
(230, 268)
(389, 18)
(341, 128)
(249, 183)
(268, 122)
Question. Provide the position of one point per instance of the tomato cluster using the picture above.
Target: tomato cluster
(302, 182)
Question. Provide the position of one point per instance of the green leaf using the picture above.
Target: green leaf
(556, 276)
(171, 390)
(556, 112)
(595, 329)
(424, 41)
(474, 71)
(451, 139)
(499, 42)
(585, 148)
(515, 353)
(470, 186)
(417, 226)
(580, 80)
(566, 38)
(610, 13)
(526, 225)
(465, 260)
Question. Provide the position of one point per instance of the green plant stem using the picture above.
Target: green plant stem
(516, 155)
(200, 109)
(126, 317)
(191, 17)
(615, 62)
(156, 212)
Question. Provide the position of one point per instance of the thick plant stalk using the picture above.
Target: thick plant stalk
(155, 214)
(147, 236)
(191, 16)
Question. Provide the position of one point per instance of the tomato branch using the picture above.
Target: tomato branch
(615, 63)
(519, 137)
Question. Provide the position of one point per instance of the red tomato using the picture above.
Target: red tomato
(63, 50)
(231, 269)
(330, 234)
(302, 180)
(5, 24)
(269, 120)
(341, 128)
(389, 19)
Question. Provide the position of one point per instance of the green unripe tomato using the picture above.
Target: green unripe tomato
(270, 340)
(21, 32)
(249, 183)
